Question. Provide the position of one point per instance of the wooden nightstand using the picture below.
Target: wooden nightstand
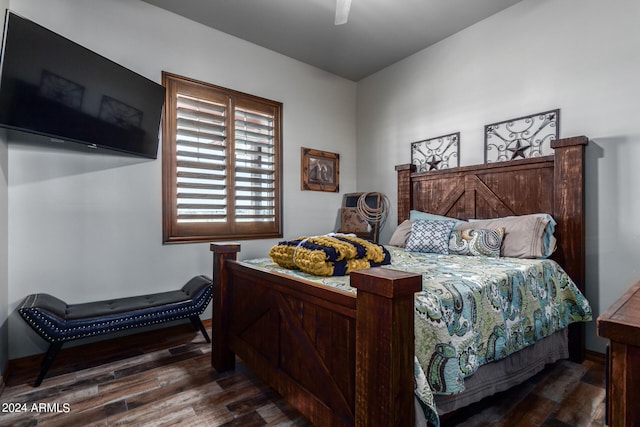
(621, 325)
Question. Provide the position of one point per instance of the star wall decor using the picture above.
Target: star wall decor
(441, 152)
(524, 137)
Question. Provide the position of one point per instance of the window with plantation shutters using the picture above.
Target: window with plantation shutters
(221, 163)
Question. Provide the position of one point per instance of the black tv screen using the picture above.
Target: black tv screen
(54, 87)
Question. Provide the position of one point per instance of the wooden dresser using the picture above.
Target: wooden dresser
(621, 325)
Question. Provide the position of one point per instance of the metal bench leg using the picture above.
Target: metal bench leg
(197, 323)
(54, 348)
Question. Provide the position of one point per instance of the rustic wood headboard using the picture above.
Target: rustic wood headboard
(552, 184)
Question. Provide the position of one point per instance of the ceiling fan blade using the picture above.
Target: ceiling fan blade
(342, 11)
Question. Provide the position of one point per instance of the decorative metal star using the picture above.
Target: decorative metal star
(518, 150)
(434, 162)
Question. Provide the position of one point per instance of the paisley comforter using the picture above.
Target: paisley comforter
(474, 310)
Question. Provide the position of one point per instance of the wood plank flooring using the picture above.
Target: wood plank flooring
(165, 378)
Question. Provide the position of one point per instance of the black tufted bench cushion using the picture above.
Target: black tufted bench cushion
(59, 322)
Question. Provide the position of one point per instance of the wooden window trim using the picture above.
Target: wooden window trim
(175, 231)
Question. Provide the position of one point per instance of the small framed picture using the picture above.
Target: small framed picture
(320, 170)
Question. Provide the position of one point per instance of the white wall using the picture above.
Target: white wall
(581, 56)
(4, 243)
(4, 255)
(88, 227)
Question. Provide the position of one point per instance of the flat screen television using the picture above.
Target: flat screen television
(54, 87)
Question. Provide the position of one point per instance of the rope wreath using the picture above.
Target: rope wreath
(376, 215)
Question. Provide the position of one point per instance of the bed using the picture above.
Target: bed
(347, 358)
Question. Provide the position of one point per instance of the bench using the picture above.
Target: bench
(58, 322)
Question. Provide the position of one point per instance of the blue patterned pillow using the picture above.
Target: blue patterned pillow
(477, 242)
(430, 236)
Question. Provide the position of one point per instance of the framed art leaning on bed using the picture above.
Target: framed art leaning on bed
(345, 353)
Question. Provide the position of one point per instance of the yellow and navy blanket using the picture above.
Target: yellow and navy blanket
(329, 255)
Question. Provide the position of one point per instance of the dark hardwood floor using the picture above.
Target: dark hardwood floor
(165, 378)
(564, 394)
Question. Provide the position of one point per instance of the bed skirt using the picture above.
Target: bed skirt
(499, 376)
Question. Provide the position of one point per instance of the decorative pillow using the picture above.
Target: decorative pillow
(550, 247)
(413, 214)
(352, 222)
(477, 242)
(523, 235)
(548, 239)
(430, 236)
(400, 236)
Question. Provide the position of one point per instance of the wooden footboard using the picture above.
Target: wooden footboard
(339, 359)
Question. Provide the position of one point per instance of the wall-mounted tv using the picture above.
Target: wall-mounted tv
(54, 87)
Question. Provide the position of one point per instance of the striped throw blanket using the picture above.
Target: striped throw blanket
(329, 255)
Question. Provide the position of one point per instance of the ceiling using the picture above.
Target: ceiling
(377, 34)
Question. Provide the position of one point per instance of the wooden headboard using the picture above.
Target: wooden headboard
(552, 184)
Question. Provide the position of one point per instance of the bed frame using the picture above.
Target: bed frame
(345, 359)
